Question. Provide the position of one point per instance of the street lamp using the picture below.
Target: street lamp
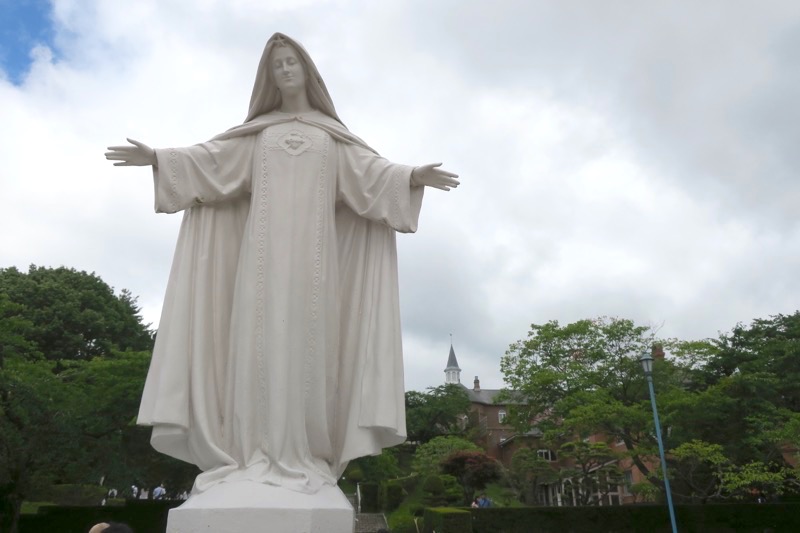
(647, 365)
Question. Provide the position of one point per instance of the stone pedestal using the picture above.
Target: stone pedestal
(244, 506)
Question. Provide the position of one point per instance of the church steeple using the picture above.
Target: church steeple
(452, 374)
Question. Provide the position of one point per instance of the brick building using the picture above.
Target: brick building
(501, 441)
(498, 438)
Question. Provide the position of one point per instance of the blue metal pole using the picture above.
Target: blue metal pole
(661, 453)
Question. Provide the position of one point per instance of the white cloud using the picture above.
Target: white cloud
(622, 161)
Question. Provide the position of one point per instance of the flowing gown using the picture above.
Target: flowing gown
(278, 357)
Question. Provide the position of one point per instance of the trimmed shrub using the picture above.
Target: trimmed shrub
(433, 494)
(393, 495)
(409, 482)
(354, 474)
(402, 523)
(447, 520)
(453, 494)
(433, 484)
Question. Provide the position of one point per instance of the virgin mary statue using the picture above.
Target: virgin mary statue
(278, 357)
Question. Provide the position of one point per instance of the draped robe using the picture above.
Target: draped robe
(278, 356)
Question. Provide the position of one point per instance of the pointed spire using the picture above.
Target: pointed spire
(452, 372)
(451, 359)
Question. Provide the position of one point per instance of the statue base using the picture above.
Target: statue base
(242, 506)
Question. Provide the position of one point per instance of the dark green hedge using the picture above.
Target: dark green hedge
(568, 519)
(146, 516)
(722, 518)
(447, 520)
(89, 495)
(143, 516)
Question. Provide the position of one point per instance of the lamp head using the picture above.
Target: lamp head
(647, 363)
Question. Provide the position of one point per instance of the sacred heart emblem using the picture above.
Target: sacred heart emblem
(295, 142)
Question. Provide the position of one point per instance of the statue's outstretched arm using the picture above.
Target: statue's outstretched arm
(432, 176)
(134, 155)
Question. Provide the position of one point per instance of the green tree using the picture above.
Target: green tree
(587, 377)
(375, 468)
(734, 412)
(767, 347)
(73, 314)
(594, 472)
(703, 470)
(439, 411)
(697, 470)
(529, 472)
(73, 359)
(105, 395)
(738, 393)
(28, 426)
(14, 332)
(473, 470)
(644, 492)
(756, 478)
(750, 378)
(429, 456)
(557, 362)
(34, 429)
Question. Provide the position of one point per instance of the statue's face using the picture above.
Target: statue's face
(288, 70)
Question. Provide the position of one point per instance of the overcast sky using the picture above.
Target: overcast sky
(631, 159)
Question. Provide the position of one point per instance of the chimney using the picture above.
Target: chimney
(477, 385)
(658, 352)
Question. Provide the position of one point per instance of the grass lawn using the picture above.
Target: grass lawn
(33, 507)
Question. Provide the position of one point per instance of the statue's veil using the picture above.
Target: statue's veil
(266, 97)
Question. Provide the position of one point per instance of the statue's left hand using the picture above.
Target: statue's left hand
(137, 154)
(432, 176)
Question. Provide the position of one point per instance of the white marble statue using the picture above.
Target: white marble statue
(278, 357)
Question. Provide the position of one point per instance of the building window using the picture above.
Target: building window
(627, 482)
(501, 416)
(547, 455)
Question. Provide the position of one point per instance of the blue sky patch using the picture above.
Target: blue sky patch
(23, 25)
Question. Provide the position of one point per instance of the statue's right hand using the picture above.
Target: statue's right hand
(134, 155)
